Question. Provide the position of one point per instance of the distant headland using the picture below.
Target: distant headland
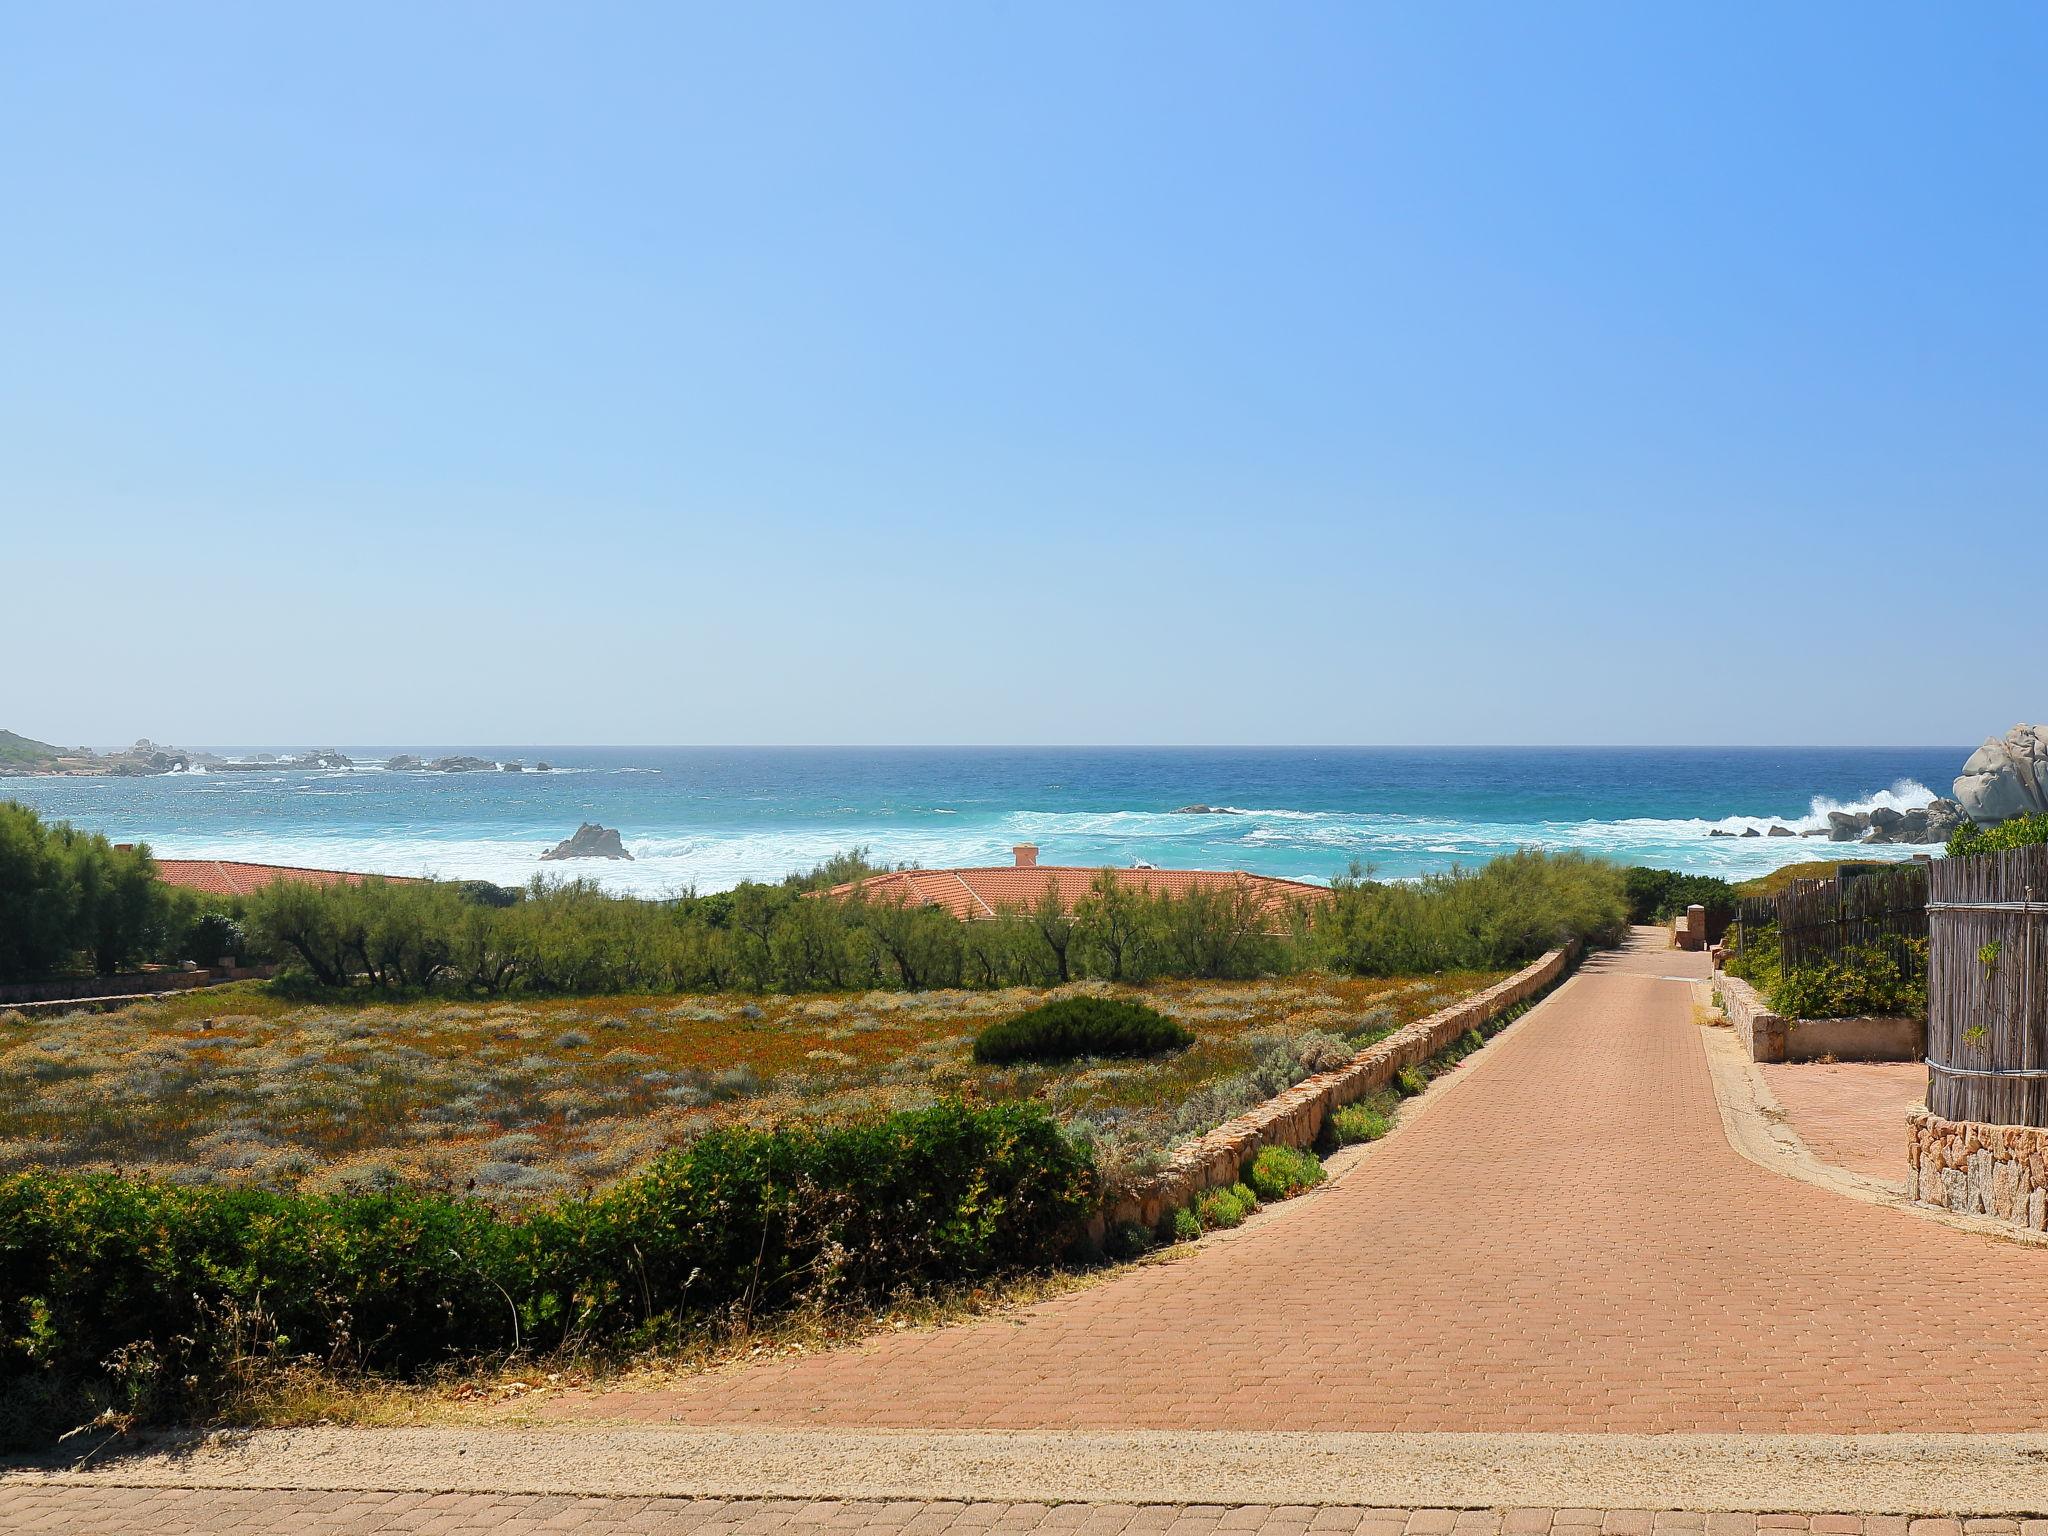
(23, 756)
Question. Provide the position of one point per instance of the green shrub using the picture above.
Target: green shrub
(1224, 1208)
(1863, 980)
(72, 901)
(1280, 1173)
(1659, 895)
(1128, 1240)
(212, 936)
(1081, 1026)
(2019, 832)
(1367, 1120)
(1187, 1226)
(1495, 918)
(1410, 1081)
(190, 1281)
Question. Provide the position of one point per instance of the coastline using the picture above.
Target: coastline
(709, 818)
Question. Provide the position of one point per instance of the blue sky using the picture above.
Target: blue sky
(1016, 373)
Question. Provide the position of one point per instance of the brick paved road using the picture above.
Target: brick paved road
(1851, 1113)
(1565, 1242)
(172, 1512)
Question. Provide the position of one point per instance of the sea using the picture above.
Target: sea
(707, 818)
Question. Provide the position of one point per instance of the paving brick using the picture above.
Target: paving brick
(1722, 1288)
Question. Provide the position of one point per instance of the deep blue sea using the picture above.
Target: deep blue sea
(709, 817)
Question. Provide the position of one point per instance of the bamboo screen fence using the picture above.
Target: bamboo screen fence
(1821, 921)
(1987, 988)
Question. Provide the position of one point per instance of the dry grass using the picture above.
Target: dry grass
(520, 1390)
(516, 1099)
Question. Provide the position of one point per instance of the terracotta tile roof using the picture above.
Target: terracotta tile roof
(984, 892)
(226, 877)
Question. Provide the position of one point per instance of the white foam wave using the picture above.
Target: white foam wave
(1904, 795)
(1297, 844)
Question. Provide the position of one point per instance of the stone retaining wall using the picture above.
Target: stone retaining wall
(1772, 1037)
(131, 984)
(1999, 1171)
(1761, 1031)
(1295, 1118)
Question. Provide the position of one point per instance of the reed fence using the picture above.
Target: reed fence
(1823, 921)
(1987, 988)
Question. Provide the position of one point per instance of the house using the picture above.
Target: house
(973, 894)
(232, 877)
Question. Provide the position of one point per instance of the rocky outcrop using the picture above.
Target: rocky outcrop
(2006, 777)
(543, 766)
(462, 765)
(590, 842)
(1205, 810)
(405, 762)
(323, 757)
(1779, 830)
(1929, 823)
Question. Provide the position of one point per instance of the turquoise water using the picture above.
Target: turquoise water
(709, 817)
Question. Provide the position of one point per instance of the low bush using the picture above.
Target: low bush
(2019, 832)
(1187, 1226)
(1410, 1081)
(1071, 1027)
(1659, 895)
(1495, 918)
(1223, 1208)
(144, 1297)
(1864, 980)
(1280, 1173)
(1367, 1120)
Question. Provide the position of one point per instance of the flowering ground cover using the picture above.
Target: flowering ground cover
(517, 1099)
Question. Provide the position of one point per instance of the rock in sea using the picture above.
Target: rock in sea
(590, 842)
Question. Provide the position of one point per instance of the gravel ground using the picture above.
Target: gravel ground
(1875, 1474)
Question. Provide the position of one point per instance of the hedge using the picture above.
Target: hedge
(1081, 1026)
(143, 1295)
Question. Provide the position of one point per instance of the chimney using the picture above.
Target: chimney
(1027, 855)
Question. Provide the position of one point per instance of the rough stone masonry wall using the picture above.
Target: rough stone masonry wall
(1999, 1171)
(1295, 1118)
(1761, 1031)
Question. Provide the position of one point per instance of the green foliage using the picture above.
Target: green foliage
(18, 751)
(1659, 895)
(1495, 918)
(1280, 1173)
(573, 937)
(845, 868)
(1128, 1240)
(1225, 1207)
(213, 934)
(2019, 832)
(1187, 1226)
(71, 900)
(1410, 1081)
(102, 1268)
(1071, 1027)
(1865, 980)
(1367, 1120)
(1786, 875)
